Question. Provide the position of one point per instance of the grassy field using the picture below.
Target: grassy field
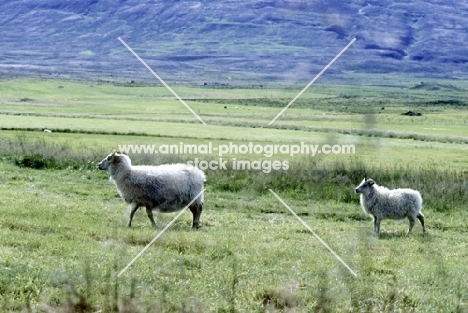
(63, 235)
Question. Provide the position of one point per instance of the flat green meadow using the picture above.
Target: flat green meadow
(63, 238)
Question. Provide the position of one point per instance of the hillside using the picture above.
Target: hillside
(233, 40)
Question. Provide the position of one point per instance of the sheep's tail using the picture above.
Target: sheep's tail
(419, 202)
(197, 179)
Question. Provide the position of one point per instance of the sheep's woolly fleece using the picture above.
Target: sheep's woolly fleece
(383, 203)
(166, 188)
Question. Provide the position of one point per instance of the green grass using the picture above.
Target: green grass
(62, 228)
(250, 255)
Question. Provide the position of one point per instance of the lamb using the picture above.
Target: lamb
(166, 188)
(381, 203)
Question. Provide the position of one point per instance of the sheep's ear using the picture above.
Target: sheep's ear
(371, 182)
(111, 156)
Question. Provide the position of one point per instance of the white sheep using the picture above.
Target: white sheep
(166, 188)
(382, 203)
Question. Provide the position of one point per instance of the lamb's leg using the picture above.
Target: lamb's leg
(133, 208)
(420, 217)
(196, 211)
(411, 224)
(149, 211)
(375, 224)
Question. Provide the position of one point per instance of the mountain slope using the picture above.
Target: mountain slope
(212, 40)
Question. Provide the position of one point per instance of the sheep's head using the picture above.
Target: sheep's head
(365, 186)
(113, 158)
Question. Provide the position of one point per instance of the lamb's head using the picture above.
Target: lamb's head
(365, 186)
(115, 159)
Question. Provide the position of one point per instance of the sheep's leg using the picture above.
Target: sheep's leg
(377, 225)
(421, 219)
(196, 211)
(149, 212)
(411, 224)
(133, 208)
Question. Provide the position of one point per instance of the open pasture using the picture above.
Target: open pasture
(62, 228)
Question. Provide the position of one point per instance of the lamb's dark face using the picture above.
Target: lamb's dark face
(365, 186)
